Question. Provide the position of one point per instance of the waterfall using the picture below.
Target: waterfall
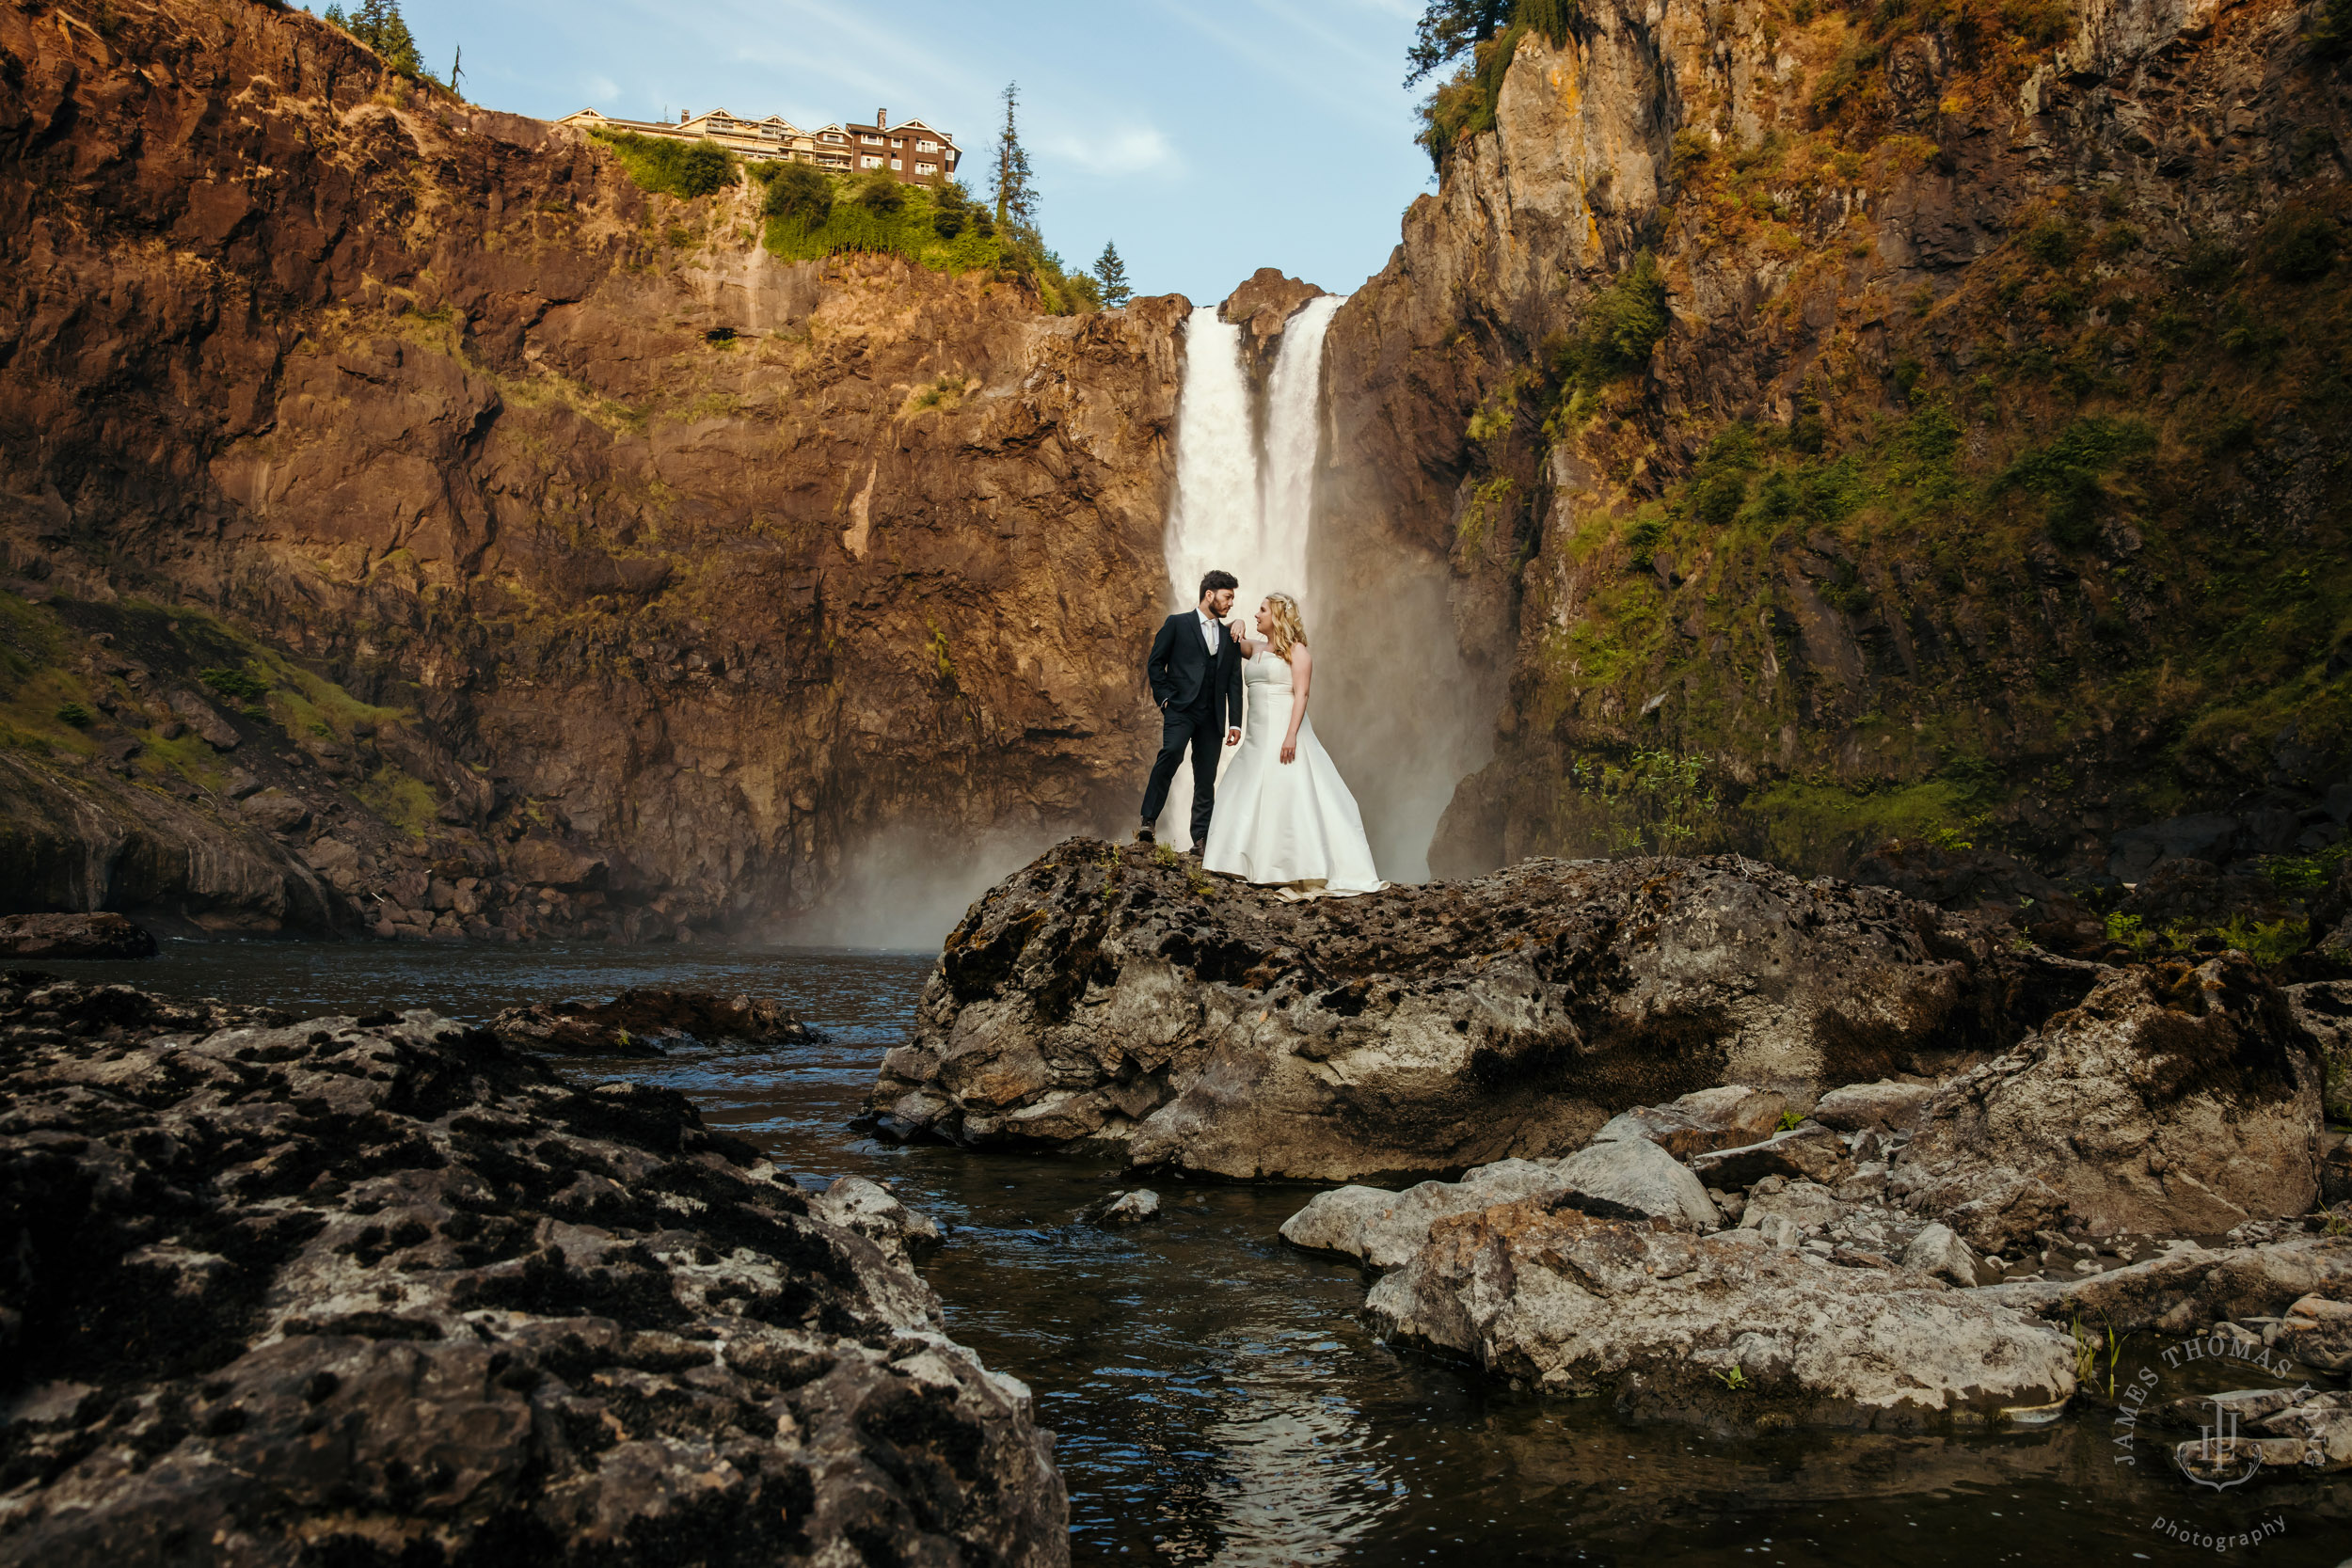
(1230, 509)
(1293, 431)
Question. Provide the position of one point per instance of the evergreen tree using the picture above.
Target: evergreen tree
(1016, 198)
(379, 24)
(334, 16)
(1449, 29)
(1111, 273)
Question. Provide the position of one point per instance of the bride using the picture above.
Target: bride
(1283, 815)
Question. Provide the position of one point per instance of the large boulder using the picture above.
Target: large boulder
(73, 936)
(377, 1289)
(1727, 1329)
(1119, 994)
(2175, 1100)
(1381, 1228)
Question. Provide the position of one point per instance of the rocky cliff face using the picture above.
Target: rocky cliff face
(1964, 456)
(560, 560)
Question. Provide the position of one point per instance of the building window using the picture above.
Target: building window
(927, 169)
(894, 163)
(870, 163)
(872, 141)
(927, 147)
(835, 135)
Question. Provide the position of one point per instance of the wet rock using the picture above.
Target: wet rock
(73, 936)
(1702, 1121)
(1112, 994)
(2317, 1331)
(1123, 1209)
(1723, 1329)
(2175, 1100)
(384, 1283)
(1634, 1178)
(648, 1021)
(2187, 1286)
(1382, 1228)
(1939, 1251)
(1885, 1106)
(874, 1212)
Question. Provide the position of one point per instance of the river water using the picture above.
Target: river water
(1215, 1396)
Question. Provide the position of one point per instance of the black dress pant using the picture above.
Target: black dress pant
(1194, 727)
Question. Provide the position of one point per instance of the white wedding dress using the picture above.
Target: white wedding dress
(1291, 823)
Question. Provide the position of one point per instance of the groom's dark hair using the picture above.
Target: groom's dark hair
(1216, 581)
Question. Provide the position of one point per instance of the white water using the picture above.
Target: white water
(1231, 511)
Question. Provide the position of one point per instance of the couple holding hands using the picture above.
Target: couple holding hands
(1281, 814)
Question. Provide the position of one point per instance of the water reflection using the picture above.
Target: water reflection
(1215, 1396)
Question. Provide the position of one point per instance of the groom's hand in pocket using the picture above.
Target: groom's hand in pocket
(1232, 736)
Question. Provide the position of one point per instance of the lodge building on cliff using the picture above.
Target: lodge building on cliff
(913, 151)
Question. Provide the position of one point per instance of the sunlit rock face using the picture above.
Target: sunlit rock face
(1120, 995)
(1866, 238)
(706, 565)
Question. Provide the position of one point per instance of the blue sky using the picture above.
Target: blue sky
(1208, 137)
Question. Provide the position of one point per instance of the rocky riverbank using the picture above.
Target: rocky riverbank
(1911, 1253)
(1118, 996)
(377, 1289)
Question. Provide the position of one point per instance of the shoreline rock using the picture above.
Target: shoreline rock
(382, 1289)
(101, 935)
(1115, 994)
(1726, 1330)
(648, 1021)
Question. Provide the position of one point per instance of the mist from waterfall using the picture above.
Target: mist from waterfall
(1248, 511)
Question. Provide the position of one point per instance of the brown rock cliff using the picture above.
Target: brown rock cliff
(614, 535)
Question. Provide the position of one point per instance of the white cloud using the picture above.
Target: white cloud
(1124, 153)
(602, 90)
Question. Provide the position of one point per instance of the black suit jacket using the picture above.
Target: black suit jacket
(1181, 670)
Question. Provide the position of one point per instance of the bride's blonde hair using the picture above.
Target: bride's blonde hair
(1284, 630)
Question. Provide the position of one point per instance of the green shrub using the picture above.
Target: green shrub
(75, 715)
(2067, 471)
(1463, 107)
(2331, 31)
(880, 193)
(235, 684)
(801, 191)
(2299, 247)
(670, 166)
(1621, 324)
(2208, 261)
(2052, 241)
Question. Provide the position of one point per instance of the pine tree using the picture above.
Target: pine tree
(1016, 198)
(1111, 273)
(379, 24)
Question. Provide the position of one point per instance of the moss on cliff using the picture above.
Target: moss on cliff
(2064, 510)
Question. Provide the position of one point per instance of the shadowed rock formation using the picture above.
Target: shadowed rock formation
(377, 1291)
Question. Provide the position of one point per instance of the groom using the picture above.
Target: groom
(1196, 679)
